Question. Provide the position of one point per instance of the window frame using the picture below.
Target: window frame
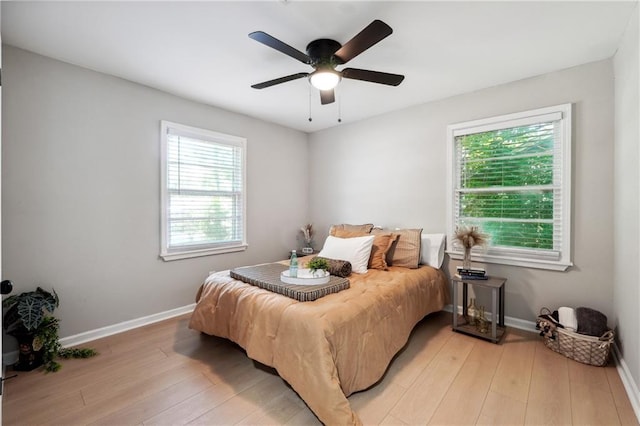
(166, 253)
(531, 258)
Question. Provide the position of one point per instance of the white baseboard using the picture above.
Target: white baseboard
(508, 321)
(87, 336)
(627, 380)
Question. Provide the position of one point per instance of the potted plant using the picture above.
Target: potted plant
(29, 319)
(317, 264)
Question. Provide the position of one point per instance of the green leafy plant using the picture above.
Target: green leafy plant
(518, 218)
(28, 309)
(29, 318)
(318, 263)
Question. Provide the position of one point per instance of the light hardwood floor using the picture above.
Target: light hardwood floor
(167, 374)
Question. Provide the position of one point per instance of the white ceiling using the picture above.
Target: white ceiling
(200, 50)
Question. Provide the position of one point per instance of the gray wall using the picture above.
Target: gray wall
(626, 199)
(390, 170)
(81, 191)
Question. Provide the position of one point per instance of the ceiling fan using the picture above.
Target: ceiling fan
(325, 54)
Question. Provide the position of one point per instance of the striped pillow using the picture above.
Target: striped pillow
(406, 251)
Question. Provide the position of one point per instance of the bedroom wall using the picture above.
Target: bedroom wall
(390, 170)
(81, 191)
(626, 278)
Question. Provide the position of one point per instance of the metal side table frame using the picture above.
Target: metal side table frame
(496, 284)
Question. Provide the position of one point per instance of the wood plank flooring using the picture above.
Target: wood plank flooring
(166, 374)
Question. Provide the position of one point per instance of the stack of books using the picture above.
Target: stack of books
(472, 273)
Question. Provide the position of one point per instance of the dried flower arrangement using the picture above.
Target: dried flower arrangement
(307, 233)
(469, 237)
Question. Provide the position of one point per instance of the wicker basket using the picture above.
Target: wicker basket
(579, 347)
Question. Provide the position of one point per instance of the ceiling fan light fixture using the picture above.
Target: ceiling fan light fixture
(324, 79)
(325, 54)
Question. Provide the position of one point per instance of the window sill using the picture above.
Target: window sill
(167, 257)
(513, 261)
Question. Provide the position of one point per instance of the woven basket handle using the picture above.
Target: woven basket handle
(607, 336)
(545, 311)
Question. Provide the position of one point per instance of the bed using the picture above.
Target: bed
(328, 348)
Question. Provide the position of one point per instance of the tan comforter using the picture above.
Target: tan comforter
(333, 346)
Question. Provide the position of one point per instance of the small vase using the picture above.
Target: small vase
(482, 324)
(466, 260)
(472, 312)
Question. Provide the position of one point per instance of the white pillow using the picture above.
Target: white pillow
(354, 250)
(432, 249)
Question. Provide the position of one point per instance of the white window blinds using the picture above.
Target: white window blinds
(511, 178)
(203, 192)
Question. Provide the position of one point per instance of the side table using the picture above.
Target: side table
(496, 284)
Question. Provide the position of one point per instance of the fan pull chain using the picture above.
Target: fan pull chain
(339, 108)
(310, 119)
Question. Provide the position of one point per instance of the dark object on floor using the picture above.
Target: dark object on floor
(28, 358)
(591, 322)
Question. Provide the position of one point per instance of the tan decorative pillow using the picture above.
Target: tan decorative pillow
(344, 233)
(381, 245)
(363, 229)
(406, 251)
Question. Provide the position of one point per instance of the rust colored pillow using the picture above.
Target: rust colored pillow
(381, 245)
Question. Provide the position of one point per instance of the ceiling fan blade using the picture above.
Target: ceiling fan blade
(273, 82)
(280, 46)
(373, 33)
(327, 97)
(373, 76)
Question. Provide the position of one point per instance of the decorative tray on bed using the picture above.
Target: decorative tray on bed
(306, 277)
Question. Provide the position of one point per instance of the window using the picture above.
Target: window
(203, 192)
(511, 177)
